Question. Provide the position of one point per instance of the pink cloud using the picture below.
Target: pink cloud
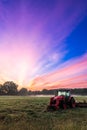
(68, 76)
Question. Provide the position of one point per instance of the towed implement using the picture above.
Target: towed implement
(64, 100)
(81, 104)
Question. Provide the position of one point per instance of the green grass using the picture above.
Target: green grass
(28, 113)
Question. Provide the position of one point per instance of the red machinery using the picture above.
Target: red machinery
(64, 100)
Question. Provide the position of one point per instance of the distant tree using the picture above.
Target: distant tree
(44, 91)
(48, 92)
(0, 86)
(79, 91)
(0, 89)
(9, 88)
(29, 92)
(23, 91)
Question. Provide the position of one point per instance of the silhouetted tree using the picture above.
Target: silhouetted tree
(9, 88)
(1, 89)
(23, 91)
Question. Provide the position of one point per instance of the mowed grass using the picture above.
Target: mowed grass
(29, 113)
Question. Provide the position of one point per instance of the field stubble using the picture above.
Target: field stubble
(28, 113)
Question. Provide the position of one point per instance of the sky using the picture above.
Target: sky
(43, 43)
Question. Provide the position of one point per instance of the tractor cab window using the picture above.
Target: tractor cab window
(61, 93)
(64, 93)
(68, 94)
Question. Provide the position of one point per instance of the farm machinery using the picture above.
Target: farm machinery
(64, 100)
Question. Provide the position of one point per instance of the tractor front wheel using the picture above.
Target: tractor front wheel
(62, 104)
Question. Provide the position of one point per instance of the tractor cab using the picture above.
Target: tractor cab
(64, 93)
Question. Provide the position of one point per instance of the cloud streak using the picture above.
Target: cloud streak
(71, 74)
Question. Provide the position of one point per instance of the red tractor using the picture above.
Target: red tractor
(62, 99)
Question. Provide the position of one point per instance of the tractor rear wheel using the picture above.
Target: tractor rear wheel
(72, 103)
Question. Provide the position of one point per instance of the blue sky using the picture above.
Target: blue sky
(77, 41)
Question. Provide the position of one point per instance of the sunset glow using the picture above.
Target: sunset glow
(43, 43)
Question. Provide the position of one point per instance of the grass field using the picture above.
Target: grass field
(28, 113)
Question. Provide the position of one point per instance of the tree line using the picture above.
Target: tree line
(76, 91)
(11, 88)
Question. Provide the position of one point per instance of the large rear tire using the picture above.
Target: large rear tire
(72, 103)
